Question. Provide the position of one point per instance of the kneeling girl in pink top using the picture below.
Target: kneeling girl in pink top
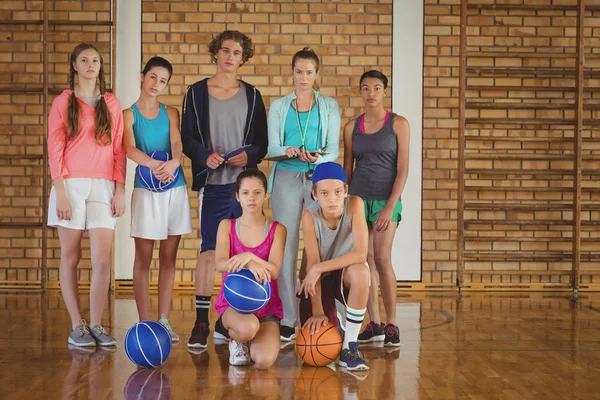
(255, 243)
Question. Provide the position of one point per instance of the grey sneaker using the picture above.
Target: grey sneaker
(81, 336)
(102, 338)
(165, 322)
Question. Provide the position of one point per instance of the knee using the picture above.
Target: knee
(358, 275)
(101, 264)
(382, 263)
(71, 259)
(263, 359)
(167, 261)
(247, 330)
(143, 260)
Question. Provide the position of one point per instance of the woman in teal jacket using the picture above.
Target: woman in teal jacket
(305, 127)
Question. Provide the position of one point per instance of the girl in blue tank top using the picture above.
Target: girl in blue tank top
(151, 126)
(376, 146)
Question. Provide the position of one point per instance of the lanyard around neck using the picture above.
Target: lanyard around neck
(303, 133)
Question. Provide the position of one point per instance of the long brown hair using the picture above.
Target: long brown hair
(308, 54)
(103, 131)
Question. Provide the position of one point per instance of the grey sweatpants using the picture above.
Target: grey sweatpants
(291, 191)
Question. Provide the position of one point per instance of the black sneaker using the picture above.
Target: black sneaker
(287, 333)
(220, 332)
(392, 335)
(352, 358)
(372, 333)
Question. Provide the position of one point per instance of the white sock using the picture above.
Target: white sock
(354, 320)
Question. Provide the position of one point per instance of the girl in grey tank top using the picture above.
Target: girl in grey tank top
(378, 178)
(376, 155)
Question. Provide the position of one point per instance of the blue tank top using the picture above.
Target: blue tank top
(153, 135)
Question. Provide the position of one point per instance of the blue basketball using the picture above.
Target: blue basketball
(148, 344)
(244, 293)
(149, 180)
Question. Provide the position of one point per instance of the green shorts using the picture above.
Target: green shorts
(374, 207)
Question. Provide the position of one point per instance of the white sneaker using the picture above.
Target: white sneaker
(165, 322)
(239, 354)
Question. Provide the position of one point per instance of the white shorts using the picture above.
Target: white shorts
(158, 215)
(91, 202)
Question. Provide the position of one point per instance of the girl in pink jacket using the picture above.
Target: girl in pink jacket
(87, 164)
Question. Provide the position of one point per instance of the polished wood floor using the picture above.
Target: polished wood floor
(477, 346)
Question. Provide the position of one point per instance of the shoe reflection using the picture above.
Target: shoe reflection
(148, 384)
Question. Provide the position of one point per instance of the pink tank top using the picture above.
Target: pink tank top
(274, 306)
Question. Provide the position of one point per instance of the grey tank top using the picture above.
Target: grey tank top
(333, 243)
(227, 123)
(376, 156)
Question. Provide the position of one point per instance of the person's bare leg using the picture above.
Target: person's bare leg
(205, 273)
(101, 240)
(264, 348)
(70, 254)
(166, 273)
(241, 327)
(141, 276)
(382, 246)
(373, 302)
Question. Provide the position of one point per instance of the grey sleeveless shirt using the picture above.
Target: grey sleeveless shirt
(336, 242)
(376, 156)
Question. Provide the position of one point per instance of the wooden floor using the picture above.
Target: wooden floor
(478, 346)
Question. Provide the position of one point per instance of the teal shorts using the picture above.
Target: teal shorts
(374, 207)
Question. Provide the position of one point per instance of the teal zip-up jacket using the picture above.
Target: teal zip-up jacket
(329, 113)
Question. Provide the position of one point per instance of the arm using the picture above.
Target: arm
(57, 141)
(120, 158)
(360, 240)
(190, 134)
(133, 153)
(276, 148)
(275, 255)
(223, 246)
(311, 247)
(120, 166)
(348, 153)
(165, 172)
(332, 143)
(258, 150)
(402, 130)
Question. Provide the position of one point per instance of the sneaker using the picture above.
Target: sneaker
(287, 333)
(392, 335)
(239, 354)
(352, 358)
(372, 333)
(165, 322)
(199, 336)
(220, 332)
(102, 338)
(81, 336)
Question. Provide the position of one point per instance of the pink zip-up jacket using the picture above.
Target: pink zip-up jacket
(84, 157)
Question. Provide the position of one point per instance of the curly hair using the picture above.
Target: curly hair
(217, 42)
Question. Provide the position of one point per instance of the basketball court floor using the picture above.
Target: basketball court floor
(474, 346)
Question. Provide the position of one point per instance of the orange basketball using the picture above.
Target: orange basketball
(319, 349)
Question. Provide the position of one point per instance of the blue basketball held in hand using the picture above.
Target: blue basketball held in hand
(149, 180)
(244, 293)
(148, 344)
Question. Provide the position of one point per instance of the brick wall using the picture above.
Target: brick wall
(21, 119)
(516, 222)
(350, 37)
